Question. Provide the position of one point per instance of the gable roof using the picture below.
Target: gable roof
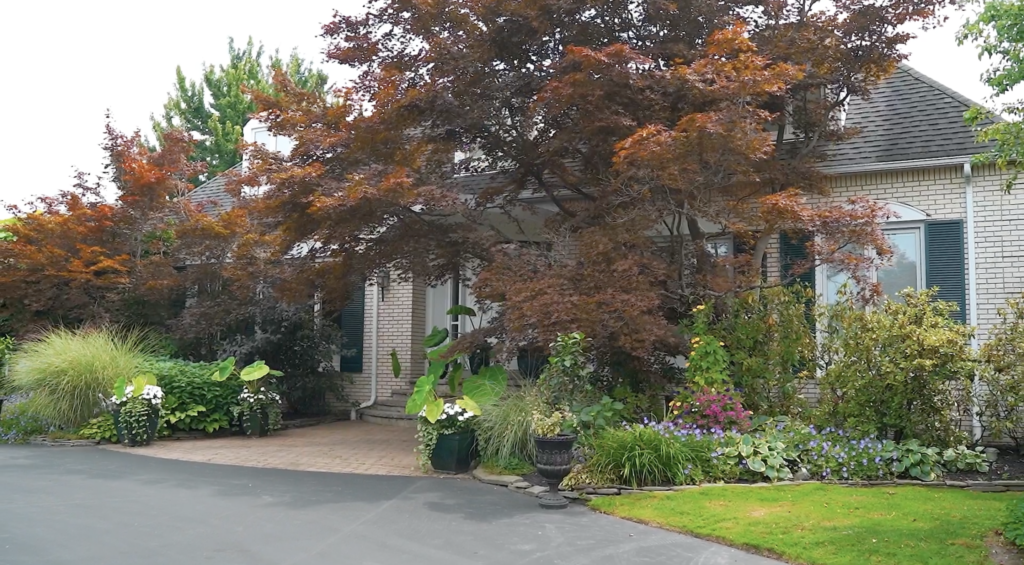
(909, 117)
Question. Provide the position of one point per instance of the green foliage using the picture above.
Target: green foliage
(192, 400)
(504, 429)
(771, 320)
(101, 427)
(18, 424)
(514, 466)
(476, 391)
(762, 454)
(1001, 401)
(68, 372)
(216, 109)
(961, 458)
(253, 376)
(640, 456)
(1013, 529)
(900, 371)
(708, 363)
(998, 32)
(916, 460)
(426, 435)
(568, 376)
(6, 348)
(606, 412)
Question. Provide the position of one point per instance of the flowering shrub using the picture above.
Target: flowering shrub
(709, 410)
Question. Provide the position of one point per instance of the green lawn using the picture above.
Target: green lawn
(830, 525)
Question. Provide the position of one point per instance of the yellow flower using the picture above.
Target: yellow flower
(698, 308)
(721, 343)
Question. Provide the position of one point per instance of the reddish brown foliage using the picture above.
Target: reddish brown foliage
(609, 121)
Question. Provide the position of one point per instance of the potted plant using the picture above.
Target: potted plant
(554, 441)
(137, 409)
(447, 438)
(259, 409)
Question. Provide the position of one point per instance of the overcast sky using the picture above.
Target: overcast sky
(67, 63)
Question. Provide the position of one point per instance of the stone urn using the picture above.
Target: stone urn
(554, 461)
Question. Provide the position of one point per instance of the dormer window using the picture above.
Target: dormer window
(273, 142)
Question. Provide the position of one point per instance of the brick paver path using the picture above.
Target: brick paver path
(339, 447)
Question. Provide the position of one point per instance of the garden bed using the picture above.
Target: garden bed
(1008, 467)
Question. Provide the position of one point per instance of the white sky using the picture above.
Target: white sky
(66, 63)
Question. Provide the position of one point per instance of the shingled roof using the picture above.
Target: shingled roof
(909, 117)
(212, 194)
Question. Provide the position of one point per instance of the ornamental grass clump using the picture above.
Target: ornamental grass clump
(503, 430)
(67, 373)
(641, 456)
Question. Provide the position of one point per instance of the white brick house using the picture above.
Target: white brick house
(957, 230)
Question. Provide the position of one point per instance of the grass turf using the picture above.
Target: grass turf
(830, 525)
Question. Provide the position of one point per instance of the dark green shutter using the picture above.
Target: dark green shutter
(351, 325)
(793, 250)
(944, 263)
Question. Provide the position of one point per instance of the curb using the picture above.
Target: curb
(584, 493)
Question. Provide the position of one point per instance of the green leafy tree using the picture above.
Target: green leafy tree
(216, 108)
(998, 31)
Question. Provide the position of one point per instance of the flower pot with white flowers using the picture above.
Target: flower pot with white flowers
(259, 408)
(137, 405)
(445, 427)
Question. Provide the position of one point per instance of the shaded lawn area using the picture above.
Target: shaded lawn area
(828, 524)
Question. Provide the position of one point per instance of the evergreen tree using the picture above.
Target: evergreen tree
(216, 108)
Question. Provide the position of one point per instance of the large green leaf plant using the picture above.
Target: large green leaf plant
(469, 392)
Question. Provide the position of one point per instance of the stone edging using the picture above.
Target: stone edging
(43, 440)
(518, 484)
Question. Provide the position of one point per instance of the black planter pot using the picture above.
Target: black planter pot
(2, 398)
(152, 423)
(116, 413)
(454, 453)
(257, 423)
(554, 461)
(479, 359)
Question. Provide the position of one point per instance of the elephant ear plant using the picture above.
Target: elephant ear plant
(259, 409)
(445, 428)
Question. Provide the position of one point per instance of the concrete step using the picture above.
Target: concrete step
(398, 402)
(387, 417)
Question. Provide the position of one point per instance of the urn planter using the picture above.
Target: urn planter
(454, 453)
(148, 433)
(554, 461)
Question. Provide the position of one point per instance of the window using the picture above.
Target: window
(905, 270)
(455, 291)
(277, 143)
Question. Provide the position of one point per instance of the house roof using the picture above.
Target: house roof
(909, 117)
(213, 194)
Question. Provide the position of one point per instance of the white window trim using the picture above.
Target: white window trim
(893, 227)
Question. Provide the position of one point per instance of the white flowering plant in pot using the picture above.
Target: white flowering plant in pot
(137, 409)
(259, 408)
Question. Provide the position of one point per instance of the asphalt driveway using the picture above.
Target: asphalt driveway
(86, 506)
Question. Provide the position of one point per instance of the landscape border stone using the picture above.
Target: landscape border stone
(588, 492)
(43, 440)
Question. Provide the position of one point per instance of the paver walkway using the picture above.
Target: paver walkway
(339, 447)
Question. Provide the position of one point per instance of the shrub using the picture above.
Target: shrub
(6, 347)
(18, 424)
(710, 410)
(708, 363)
(100, 427)
(503, 429)
(771, 346)
(569, 376)
(901, 371)
(1002, 377)
(642, 456)
(68, 372)
(1014, 528)
(192, 400)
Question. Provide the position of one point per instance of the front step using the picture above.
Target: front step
(388, 416)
